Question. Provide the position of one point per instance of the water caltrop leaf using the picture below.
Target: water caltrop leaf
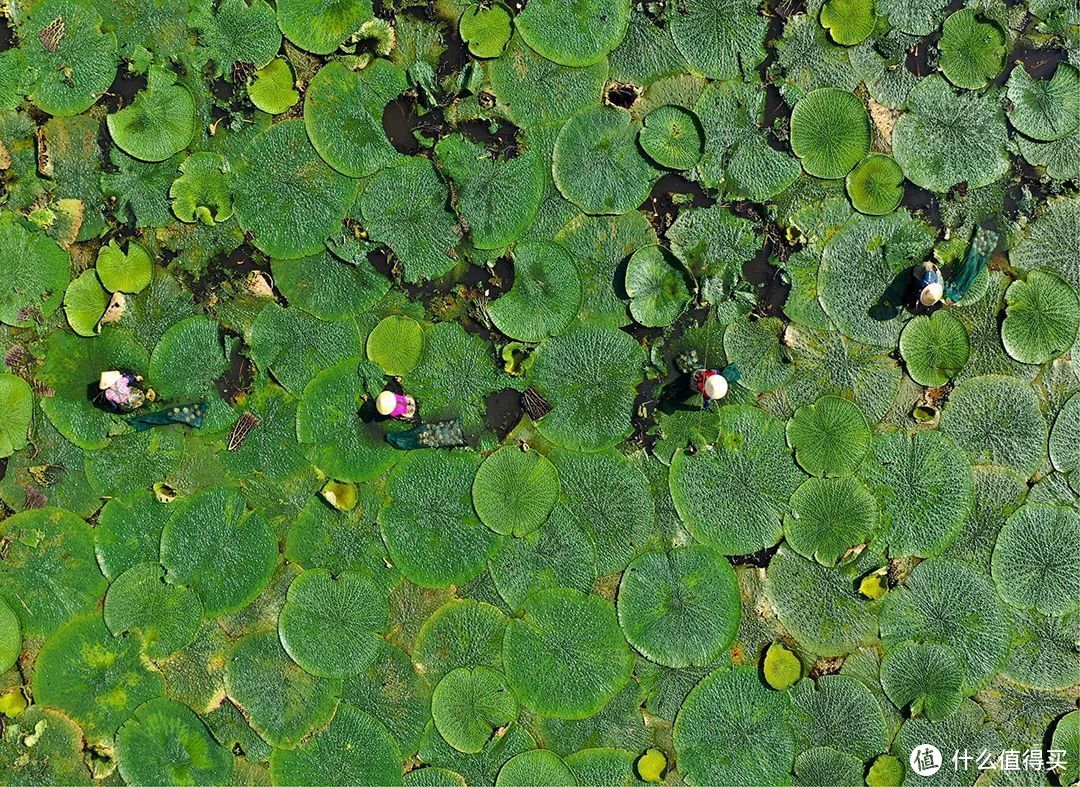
(96, 679)
(164, 742)
(286, 196)
(672, 137)
(545, 295)
(124, 271)
(396, 344)
(830, 132)
(1044, 109)
(934, 348)
(589, 375)
(469, 704)
(1041, 318)
(514, 490)
(168, 617)
(830, 437)
(733, 493)
(330, 624)
(972, 50)
(577, 36)
(722, 40)
(320, 28)
(657, 285)
(405, 207)
(565, 657)
(680, 608)
(428, 522)
(828, 517)
(216, 546)
(85, 301)
(272, 88)
(36, 270)
(496, 198)
(876, 185)
(1035, 559)
(598, 164)
(343, 113)
(159, 122)
(734, 730)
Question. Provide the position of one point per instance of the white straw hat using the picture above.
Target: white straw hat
(386, 402)
(716, 386)
(108, 379)
(931, 294)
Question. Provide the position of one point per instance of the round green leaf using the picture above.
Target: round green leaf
(330, 625)
(997, 420)
(657, 285)
(93, 677)
(934, 348)
(164, 742)
(818, 605)
(239, 32)
(461, 633)
(72, 60)
(839, 712)
(565, 657)
(1036, 563)
(35, 270)
(394, 692)
(339, 422)
(609, 497)
(545, 295)
(590, 376)
(281, 701)
(822, 765)
(321, 27)
(201, 193)
(681, 608)
(188, 359)
(535, 768)
(828, 517)
(467, 706)
(945, 137)
(830, 132)
(286, 196)
(756, 347)
(579, 35)
(395, 344)
(733, 730)
(1045, 109)
(972, 50)
(273, 87)
(496, 197)
(404, 207)
(159, 122)
(849, 22)
(122, 271)
(85, 301)
(428, 523)
(515, 490)
(598, 165)
(560, 554)
(829, 437)
(723, 41)
(343, 112)
(486, 30)
(924, 487)
(355, 749)
(330, 289)
(951, 604)
(168, 617)
(926, 679)
(224, 552)
(10, 637)
(1065, 437)
(1041, 318)
(16, 411)
(672, 137)
(732, 494)
(49, 573)
(876, 185)
(1067, 738)
(129, 531)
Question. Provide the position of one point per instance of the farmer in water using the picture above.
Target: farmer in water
(713, 384)
(933, 287)
(120, 391)
(400, 407)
